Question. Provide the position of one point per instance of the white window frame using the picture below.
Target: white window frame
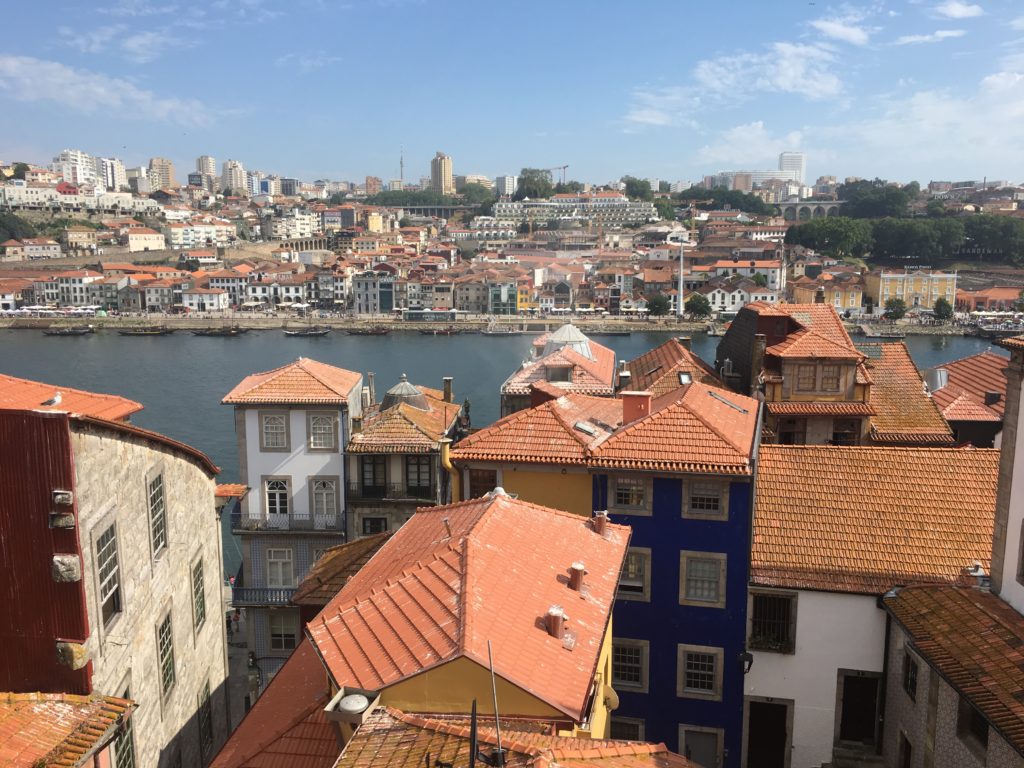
(274, 445)
(165, 655)
(315, 422)
(688, 556)
(644, 594)
(109, 582)
(287, 491)
(682, 691)
(286, 620)
(645, 654)
(156, 501)
(278, 560)
(322, 490)
(198, 579)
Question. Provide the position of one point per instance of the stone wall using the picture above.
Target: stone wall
(112, 474)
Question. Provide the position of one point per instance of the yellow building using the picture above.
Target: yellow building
(844, 295)
(917, 288)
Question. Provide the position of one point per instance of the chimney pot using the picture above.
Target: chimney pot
(600, 522)
(447, 380)
(576, 573)
(635, 405)
(373, 388)
(555, 621)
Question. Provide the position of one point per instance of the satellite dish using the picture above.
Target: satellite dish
(353, 704)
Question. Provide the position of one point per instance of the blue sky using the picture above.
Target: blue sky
(927, 89)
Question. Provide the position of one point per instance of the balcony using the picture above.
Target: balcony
(391, 492)
(269, 523)
(259, 596)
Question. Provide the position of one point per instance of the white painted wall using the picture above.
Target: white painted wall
(1012, 591)
(833, 631)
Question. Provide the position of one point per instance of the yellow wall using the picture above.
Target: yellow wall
(600, 723)
(571, 492)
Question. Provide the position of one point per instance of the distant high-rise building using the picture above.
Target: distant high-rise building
(75, 167)
(270, 185)
(374, 186)
(161, 174)
(441, 174)
(110, 173)
(655, 184)
(796, 163)
(289, 187)
(206, 165)
(506, 186)
(472, 178)
(252, 182)
(232, 176)
(138, 180)
(396, 185)
(679, 186)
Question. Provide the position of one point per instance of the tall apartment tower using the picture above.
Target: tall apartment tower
(506, 186)
(441, 179)
(206, 165)
(161, 173)
(75, 167)
(794, 162)
(233, 176)
(111, 173)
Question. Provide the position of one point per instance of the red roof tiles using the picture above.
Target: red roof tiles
(23, 394)
(970, 379)
(303, 382)
(658, 370)
(335, 567)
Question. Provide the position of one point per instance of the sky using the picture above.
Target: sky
(901, 89)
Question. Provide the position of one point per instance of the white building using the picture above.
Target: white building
(795, 163)
(111, 174)
(506, 186)
(144, 239)
(205, 299)
(75, 167)
(233, 176)
(293, 424)
(206, 165)
(72, 287)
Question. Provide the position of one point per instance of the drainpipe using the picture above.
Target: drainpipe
(446, 464)
(883, 689)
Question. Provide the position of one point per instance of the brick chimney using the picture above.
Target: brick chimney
(555, 621)
(635, 405)
(600, 522)
(447, 382)
(576, 573)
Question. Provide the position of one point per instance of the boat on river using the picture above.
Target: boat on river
(494, 328)
(147, 330)
(232, 330)
(70, 330)
(377, 330)
(440, 331)
(313, 330)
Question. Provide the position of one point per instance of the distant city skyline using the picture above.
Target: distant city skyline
(918, 89)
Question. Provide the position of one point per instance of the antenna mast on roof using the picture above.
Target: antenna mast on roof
(497, 757)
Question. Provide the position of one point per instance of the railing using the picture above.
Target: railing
(242, 596)
(392, 491)
(272, 522)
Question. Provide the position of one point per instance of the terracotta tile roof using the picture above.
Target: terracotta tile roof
(864, 519)
(546, 434)
(335, 567)
(23, 394)
(904, 412)
(230, 490)
(303, 382)
(1017, 342)
(404, 428)
(57, 729)
(974, 640)
(821, 333)
(431, 593)
(657, 371)
(393, 739)
(819, 408)
(588, 376)
(286, 728)
(969, 379)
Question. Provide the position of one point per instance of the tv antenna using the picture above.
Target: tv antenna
(496, 759)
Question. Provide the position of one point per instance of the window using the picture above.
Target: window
(706, 499)
(277, 497)
(805, 377)
(702, 746)
(374, 471)
(274, 431)
(561, 373)
(792, 431)
(157, 514)
(372, 525)
(910, 675)
(325, 497)
(773, 622)
(628, 728)
(635, 579)
(280, 568)
(165, 651)
(419, 475)
(482, 481)
(205, 721)
(282, 631)
(905, 758)
(972, 727)
(321, 431)
(703, 579)
(124, 742)
(318, 553)
(699, 672)
(629, 664)
(629, 493)
(845, 432)
(110, 575)
(830, 378)
(198, 594)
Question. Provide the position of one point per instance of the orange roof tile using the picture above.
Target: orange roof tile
(428, 597)
(57, 729)
(974, 640)
(819, 408)
(286, 728)
(230, 490)
(966, 407)
(970, 378)
(588, 376)
(657, 371)
(904, 412)
(864, 519)
(304, 381)
(23, 394)
(335, 567)
(393, 739)
(1017, 342)
(404, 428)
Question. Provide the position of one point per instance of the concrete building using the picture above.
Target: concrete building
(373, 186)
(75, 167)
(141, 239)
(161, 174)
(794, 163)
(917, 288)
(111, 174)
(233, 177)
(441, 180)
(206, 165)
(292, 424)
(111, 553)
(138, 180)
(506, 186)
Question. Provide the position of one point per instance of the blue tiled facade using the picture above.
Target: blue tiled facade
(663, 623)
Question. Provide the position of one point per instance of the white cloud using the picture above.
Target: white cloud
(133, 8)
(747, 146)
(1018, 23)
(307, 62)
(91, 41)
(796, 68)
(143, 47)
(28, 79)
(842, 29)
(956, 9)
(934, 37)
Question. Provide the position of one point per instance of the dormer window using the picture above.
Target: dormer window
(561, 373)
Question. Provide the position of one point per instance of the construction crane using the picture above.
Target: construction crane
(562, 168)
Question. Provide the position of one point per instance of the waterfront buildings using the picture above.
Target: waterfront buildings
(292, 424)
(599, 208)
(441, 180)
(917, 288)
(111, 552)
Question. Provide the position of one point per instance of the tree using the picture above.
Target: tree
(875, 199)
(405, 221)
(14, 228)
(534, 183)
(935, 209)
(666, 209)
(943, 310)
(568, 187)
(475, 194)
(698, 305)
(720, 197)
(637, 189)
(760, 279)
(20, 169)
(895, 309)
(658, 305)
(833, 235)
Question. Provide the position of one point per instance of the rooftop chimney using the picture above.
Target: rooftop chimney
(684, 341)
(447, 380)
(357, 425)
(991, 398)
(576, 573)
(635, 405)
(364, 397)
(373, 389)
(600, 522)
(555, 621)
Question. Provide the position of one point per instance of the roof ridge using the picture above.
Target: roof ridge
(569, 428)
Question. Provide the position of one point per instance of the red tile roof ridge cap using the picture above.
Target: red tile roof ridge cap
(988, 353)
(560, 417)
(620, 748)
(492, 428)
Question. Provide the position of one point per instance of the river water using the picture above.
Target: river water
(181, 378)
